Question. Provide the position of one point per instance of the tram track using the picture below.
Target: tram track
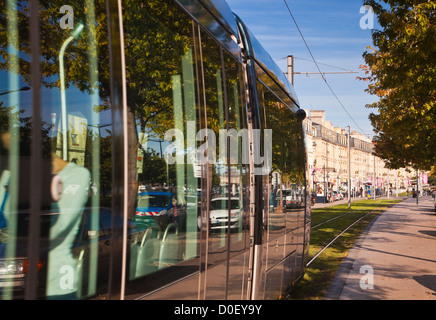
(338, 236)
(335, 230)
(335, 238)
(332, 219)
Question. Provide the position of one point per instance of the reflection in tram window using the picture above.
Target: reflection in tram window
(229, 173)
(74, 104)
(287, 185)
(286, 196)
(162, 98)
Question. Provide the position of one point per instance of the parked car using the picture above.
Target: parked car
(219, 211)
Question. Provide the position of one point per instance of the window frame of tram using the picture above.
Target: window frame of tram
(76, 221)
(188, 181)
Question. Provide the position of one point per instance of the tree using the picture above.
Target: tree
(401, 72)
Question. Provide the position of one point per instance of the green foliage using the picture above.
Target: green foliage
(402, 73)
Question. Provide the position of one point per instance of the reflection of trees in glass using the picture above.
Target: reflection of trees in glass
(52, 37)
(152, 56)
(24, 124)
(287, 150)
(155, 170)
(155, 41)
(80, 71)
(155, 34)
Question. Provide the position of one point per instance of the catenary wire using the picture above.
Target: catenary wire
(322, 75)
(325, 64)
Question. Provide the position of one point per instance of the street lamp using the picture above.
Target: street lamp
(11, 91)
(74, 35)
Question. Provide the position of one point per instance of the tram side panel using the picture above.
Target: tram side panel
(187, 223)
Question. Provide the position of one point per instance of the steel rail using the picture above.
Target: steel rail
(337, 237)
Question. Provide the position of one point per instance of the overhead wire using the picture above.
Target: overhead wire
(323, 75)
(325, 64)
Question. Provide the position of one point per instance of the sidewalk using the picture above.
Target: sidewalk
(394, 259)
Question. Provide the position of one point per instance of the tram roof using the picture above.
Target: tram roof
(216, 16)
(269, 66)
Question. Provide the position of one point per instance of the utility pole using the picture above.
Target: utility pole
(389, 187)
(374, 177)
(291, 69)
(349, 169)
(417, 185)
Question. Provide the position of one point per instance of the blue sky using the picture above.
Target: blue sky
(332, 31)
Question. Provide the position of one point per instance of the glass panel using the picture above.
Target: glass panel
(236, 144)
(276, 114)
(15, 121)
(75, 245)
(227, 169)
(162, 97)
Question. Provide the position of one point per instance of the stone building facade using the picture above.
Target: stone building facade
(327, 157)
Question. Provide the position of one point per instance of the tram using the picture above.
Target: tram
(149, 150)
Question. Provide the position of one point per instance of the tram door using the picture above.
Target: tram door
(228, 173)
(284, 200)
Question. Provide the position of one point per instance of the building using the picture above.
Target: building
(327, 157)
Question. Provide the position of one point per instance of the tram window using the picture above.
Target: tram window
(15, 119)
(228, 167)
(237, 147)
(75, 113)
(228, 172)
(287, 190)
(162, 97)
(276, 115)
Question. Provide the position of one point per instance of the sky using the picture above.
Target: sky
(334, 35)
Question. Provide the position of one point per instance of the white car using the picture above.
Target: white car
(219, 213)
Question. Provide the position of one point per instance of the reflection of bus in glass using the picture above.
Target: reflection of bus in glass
(153, 208)
(79, 136)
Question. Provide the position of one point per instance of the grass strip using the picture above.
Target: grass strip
(322, 270)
